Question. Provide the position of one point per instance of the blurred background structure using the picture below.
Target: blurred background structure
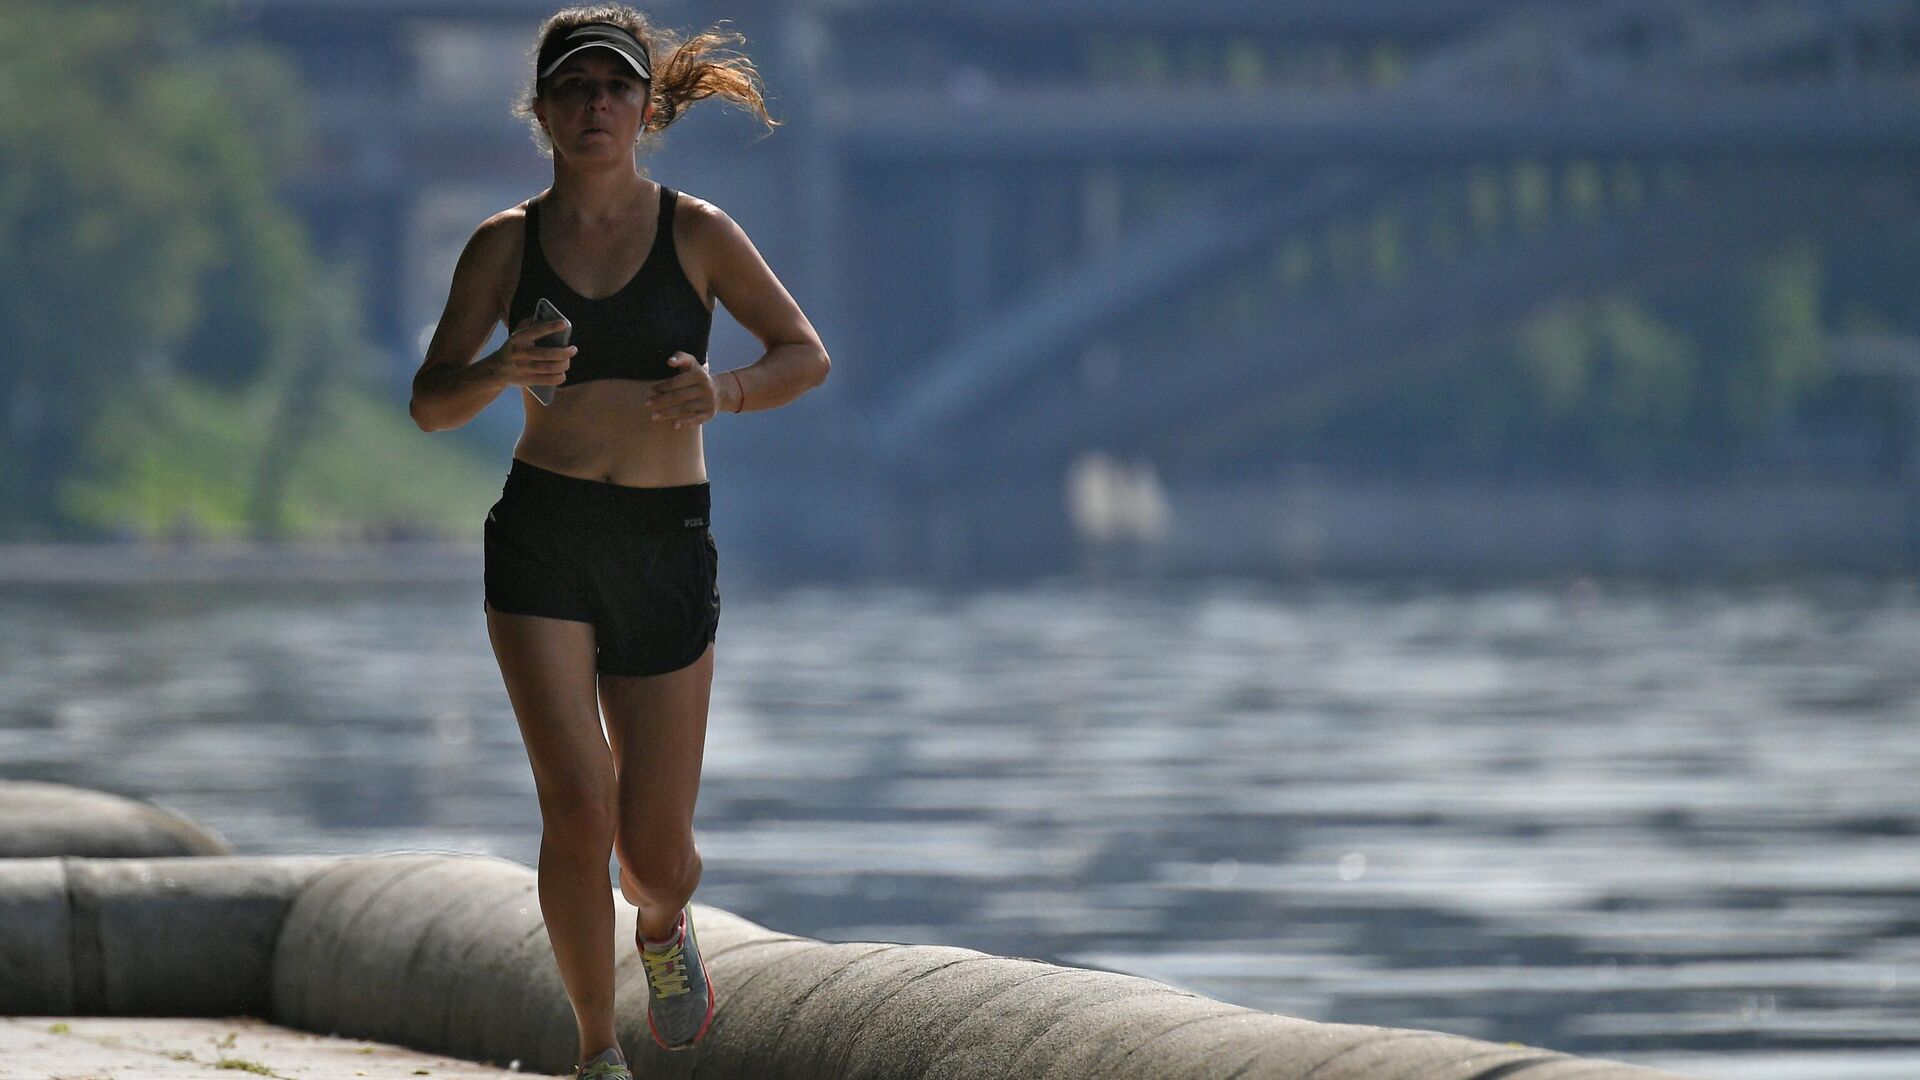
(1399, 285)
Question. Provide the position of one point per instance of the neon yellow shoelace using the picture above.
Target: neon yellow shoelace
(667, 971)
(604, 1069)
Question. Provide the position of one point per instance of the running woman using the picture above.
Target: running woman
(600, 587)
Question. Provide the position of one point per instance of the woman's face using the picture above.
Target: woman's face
(594, 106)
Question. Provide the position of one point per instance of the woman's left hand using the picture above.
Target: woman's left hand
(688, 398)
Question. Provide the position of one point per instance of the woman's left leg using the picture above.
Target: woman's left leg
(657, 728)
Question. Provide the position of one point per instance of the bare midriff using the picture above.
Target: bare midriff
(600, 430)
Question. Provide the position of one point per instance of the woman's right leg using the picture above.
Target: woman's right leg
(548, 666)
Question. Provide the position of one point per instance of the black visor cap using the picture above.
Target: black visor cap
(595, 35)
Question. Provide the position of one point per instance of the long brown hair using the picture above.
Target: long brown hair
(683, 70)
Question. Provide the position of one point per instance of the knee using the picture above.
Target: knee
(662, 866)
(580, 822)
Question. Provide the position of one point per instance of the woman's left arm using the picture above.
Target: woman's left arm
(795, 360)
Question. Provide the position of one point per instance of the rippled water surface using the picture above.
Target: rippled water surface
(1670, 824)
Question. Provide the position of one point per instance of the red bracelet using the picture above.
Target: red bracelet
(738, 385)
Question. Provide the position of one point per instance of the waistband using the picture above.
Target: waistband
(537, 495)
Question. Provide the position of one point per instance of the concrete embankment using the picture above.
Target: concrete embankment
(58, 819)
(202, 1048)
(448, 954)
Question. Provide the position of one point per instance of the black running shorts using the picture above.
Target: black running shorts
(637, 563)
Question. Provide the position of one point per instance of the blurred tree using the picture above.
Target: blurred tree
(151, 265)
(1618, 382)
(104, 232)
(1608, 372)
(1695, 375)
(1762, 341)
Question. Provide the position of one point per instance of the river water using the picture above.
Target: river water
(1676, 824)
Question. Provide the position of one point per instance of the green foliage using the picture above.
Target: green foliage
(1625, 378)
(169, 456)
(176, 457)
(1608, 371)
(180, 357)
(348, 483)
(104, 225)
(1764, 336)
(1619, 381)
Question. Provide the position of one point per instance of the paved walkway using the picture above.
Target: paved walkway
(177, 1048)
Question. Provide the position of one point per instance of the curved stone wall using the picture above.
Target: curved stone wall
(38, 819)
(448, 954)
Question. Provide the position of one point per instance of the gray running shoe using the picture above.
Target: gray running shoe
(679, 998)
(606, 1065)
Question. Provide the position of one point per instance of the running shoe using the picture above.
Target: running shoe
(679, 997)
(606, 1065)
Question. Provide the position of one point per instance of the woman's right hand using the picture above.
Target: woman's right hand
(522, 363)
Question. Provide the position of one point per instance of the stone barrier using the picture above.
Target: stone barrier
(57, 819)
(448, 954)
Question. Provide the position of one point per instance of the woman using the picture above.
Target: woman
(600, 567)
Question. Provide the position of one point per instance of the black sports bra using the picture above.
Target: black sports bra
(630, 334)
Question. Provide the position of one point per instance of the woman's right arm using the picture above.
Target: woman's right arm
(451, 388)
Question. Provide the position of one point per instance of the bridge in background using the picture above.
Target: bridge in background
(1029, 231)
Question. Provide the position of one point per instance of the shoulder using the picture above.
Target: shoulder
(499, 237)
(709, 233)
(709, 241)
(698, 220)
(490, 263)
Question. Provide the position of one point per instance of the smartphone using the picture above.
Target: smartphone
(544, 311)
